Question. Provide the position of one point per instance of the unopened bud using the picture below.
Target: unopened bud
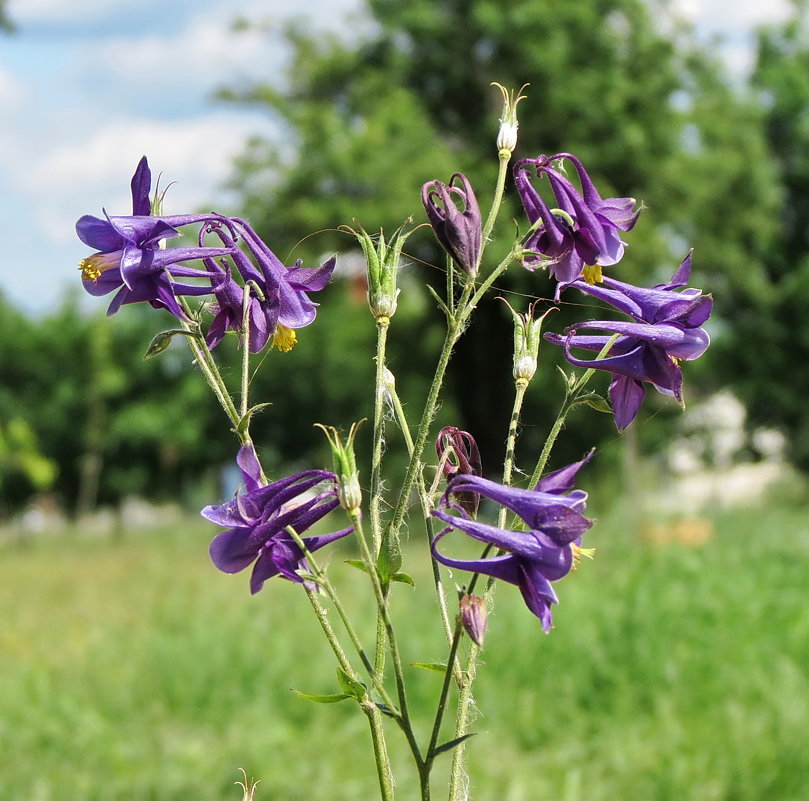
(459, 456)
(349, 491)
(458, 230)
(474, 618)
(382, 261)
(507, 134)
(527, 336)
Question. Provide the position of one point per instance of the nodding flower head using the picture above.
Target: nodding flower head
(459, 455)
(458, 230)
(581, 230)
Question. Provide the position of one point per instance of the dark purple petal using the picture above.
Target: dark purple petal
(141, 186)
(264, 568)
(250, 466)
(547, 512)
(626, 397)
(233, 550)
(312, 279)
(538, 595)
(98, 234)
(561, 481)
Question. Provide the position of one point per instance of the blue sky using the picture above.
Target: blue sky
(88, 87)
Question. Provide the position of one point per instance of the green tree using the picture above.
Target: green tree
(618, 82)
(770, 324)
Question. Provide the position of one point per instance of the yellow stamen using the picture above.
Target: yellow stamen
(592, 274)
(284, 338)
(92, 267)
(579, 552)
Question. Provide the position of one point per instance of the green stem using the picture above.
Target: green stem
(442, 700)
(504, 157)
(207, 365)
(245, 349)
(382, 325)
(370, 709)
(457, 791)
(396, 661)
(426, 506)
(323, 580)
(458, 768)
(383, 769)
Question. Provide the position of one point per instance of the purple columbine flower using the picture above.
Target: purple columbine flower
(458, 231)
(257, 522)
(461, 457)
(545, 552)
(582, 230)
(666, 330)
(132, 258)
(278, 300)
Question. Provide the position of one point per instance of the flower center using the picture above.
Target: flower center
(592, 274)
(92, 267)
(284, 338)
(579, 552)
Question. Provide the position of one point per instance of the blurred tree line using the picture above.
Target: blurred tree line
(364, 120)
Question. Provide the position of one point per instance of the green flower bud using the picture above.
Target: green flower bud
(527, 336)
(349, 491)
(382, 260)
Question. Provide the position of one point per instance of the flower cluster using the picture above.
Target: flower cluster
(133, 261)
(553, 514)
(581, 231)
(258, 522)
(666, 329)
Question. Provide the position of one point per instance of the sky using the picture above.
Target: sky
(87, 88)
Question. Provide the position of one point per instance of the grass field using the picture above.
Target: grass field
(133, 670)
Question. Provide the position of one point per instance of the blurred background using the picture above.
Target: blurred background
(689, 678)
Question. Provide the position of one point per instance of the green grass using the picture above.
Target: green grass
(133, 670)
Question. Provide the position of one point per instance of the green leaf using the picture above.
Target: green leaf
(596, 402)
(405, 578)
(390, 558)
(335, 698)
(450, 744)
(245, 421)
(358, 563)
(439, 301)
(435, 667)
(351, 687)
(162, 340)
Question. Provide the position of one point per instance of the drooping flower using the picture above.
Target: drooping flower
(459, 455)
(131, 256)
(458, 230)
(278, 299)
(257, 522)
(666, 329)
(553, 513)
(474, 617)
(582, 230)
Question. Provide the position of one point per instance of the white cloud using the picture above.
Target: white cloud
(195, 58)
(80, 177)
(11, 93)
(25, 11)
